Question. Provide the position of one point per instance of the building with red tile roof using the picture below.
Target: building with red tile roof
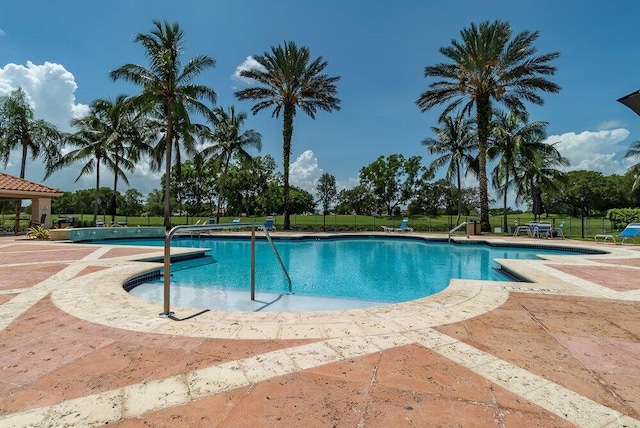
(16, 188)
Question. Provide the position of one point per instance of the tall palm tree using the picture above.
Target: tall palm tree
(455, 142)
(288, 80)
(228, 141)
(633, 152)
(167, 88)
(95, 144)
(19, 128)
(487, 66)
(515, 143)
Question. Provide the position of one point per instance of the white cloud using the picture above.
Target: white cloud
(305, 173)
(609, 124)
(50, 89)
(248, 64)
(595, 151)
(2, 33)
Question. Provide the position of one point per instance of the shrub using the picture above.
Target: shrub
(621, 217)
(38, 232)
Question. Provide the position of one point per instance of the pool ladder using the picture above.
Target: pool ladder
(463, 224)
(201, 227)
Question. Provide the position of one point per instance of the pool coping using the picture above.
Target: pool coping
(100, 298)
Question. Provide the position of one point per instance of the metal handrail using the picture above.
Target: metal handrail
(464, 223)
(275, 251)
(200, 227)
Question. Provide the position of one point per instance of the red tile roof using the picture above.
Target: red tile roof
(11, 184)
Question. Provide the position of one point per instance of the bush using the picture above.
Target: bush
(38, 232)
(621, 217)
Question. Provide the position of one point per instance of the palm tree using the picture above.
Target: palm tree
(288, 80)
(538, 172)
(18, 128)
(634, 151)
(455, 141)
(126, 134)
(167, 89)
(94, 145)
(229, 140)
(488, 65)
(515, 143)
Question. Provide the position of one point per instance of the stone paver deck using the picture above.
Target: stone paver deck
(77, 350)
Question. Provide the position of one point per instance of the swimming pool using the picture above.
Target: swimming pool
(372, 268)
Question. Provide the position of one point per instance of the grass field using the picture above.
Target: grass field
(573, 227)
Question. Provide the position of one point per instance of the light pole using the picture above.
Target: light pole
(582, 212)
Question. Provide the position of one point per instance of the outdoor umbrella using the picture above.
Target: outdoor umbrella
(537, 203)
(632, 101)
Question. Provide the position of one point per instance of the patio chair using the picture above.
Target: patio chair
(632, 231)
(43, 218)
(269, 224)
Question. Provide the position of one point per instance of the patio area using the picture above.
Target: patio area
(78, 350)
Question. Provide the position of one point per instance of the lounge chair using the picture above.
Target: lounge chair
(235, 221)
(542, 229)
(402, 228)
(524, 229)
(632, 231)
(269, 224)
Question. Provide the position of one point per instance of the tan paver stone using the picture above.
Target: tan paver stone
(129, 251)
(313, 355)
(206, 412)
(216, 379)
(577, 408)
(155, 395)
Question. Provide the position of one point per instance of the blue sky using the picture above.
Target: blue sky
(62, 52)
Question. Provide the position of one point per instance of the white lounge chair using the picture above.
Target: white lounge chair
(402, 228)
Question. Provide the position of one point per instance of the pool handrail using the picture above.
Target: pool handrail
(464, 223)
(167, 255)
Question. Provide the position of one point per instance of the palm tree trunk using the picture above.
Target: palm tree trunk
(504, 201)
(96, 197)
(167, 175)
(459, 193)
(483, 118)
(115, 187)
(222, 182)
(287, 132)
(23, 168)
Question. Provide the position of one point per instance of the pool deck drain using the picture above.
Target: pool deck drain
(77, 350)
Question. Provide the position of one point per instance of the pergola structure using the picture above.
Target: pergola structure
(632, 101)
(17, 189)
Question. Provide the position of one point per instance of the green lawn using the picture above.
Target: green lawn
(572, 226)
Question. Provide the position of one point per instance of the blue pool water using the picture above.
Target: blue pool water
(371, 268)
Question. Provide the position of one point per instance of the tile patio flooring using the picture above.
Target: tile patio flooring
(77, 350)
